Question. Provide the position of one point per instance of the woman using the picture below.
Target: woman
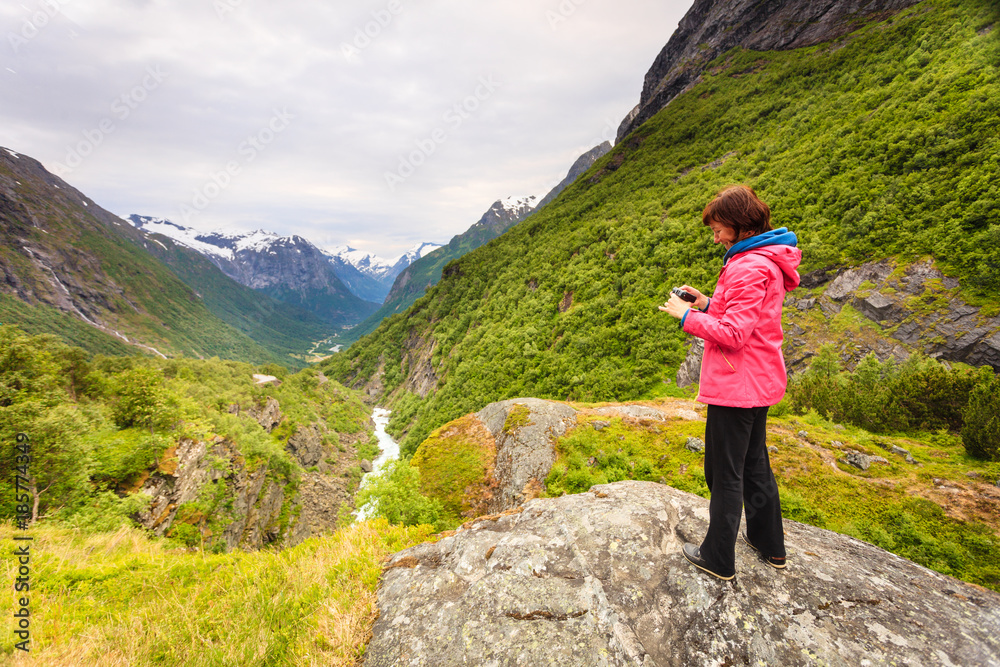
(742, 374)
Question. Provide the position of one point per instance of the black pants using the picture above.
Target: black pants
(738, 473)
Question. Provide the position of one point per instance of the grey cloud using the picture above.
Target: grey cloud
(356, 115)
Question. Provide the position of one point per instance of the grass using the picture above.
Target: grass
(931, 512)
(123, 599)
(456, 465)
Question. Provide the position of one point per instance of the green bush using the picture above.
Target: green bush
(396, 496)
(981, 432)
(884, 396)
(104, 512)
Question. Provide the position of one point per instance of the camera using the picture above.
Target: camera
(685, 296)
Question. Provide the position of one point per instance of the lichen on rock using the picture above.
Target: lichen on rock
(598, 579)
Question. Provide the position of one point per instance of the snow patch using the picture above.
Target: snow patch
(185, 236)
(12, 153)
(519, 203)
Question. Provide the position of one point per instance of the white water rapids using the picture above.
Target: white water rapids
(390, 451)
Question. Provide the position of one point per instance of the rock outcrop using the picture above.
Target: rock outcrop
(916, 306)
(712, 27)
(525, 430)
(209, 485)
(598, 579)
(521, 436)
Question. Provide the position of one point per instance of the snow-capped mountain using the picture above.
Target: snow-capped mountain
(289, 268)
(370, 276)
(377, 267)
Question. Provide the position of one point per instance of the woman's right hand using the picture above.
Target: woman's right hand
(701, 302)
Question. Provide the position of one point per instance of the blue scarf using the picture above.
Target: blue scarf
(780, 236)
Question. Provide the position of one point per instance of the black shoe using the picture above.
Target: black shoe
(693, 554)
(773, 561)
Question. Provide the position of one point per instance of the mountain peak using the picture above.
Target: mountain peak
(518, 203)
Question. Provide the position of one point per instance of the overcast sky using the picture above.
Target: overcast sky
(376, 123)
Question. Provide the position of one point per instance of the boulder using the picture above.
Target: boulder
(695, 444)
(525, 431)
(306, 445)
(598, 579)
(689, 372)
(267, 415)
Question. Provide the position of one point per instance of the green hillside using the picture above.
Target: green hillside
(66, 260)
(423, 272)
(881, 144)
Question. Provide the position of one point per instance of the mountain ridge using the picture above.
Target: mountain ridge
(711, 27)
(411, 283)
(63, 256)
(874, 146)
(288, 268)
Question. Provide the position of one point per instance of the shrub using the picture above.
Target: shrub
(981, 432)
(396, 496)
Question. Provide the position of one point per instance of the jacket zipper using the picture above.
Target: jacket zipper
(727, 361)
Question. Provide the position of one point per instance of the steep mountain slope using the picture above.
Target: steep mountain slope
(712, 27)
(426, 271)
(287, 268)
(63, 258)
(412, 282)
(369, 276)
(280, 327)
(880, 144)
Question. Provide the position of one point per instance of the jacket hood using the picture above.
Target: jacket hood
(778, 245)
(780, 236)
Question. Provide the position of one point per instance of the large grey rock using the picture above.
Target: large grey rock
(306, 445)
(689, 372)
(525, 451)
(597, 579)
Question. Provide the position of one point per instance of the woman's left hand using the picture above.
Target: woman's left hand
(675, 307)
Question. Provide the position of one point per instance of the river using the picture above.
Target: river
(390, 451)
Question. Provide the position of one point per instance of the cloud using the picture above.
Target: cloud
(366, 84)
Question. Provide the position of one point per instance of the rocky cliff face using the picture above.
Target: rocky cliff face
(915, 307)
(209, 486)
(712, 27)
(598, 579)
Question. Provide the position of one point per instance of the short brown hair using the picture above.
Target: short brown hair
(739, 208)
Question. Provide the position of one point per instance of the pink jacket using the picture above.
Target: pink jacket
(743, 366)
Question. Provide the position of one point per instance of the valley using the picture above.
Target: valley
(203, 406)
